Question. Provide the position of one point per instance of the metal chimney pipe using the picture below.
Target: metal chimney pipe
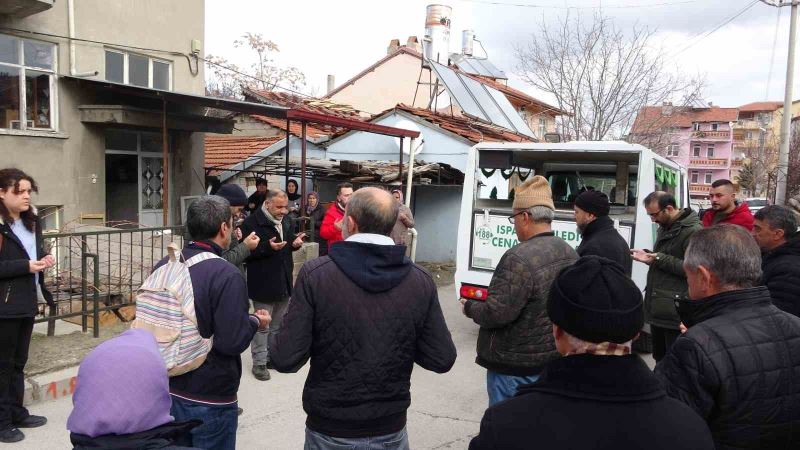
(331, 83)
(467, 40)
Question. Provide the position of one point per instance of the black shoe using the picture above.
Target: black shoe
(270, 366)
(11, 435)
(261, 372)
(31, 422)
(239, 411)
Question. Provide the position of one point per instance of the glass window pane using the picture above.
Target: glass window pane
(38, 54)
(487, 103)
(137, 70)
(115, 66)
(458, 91)
(9, 97)
(152, 183)
(502, 101)
(37, 97)
(160, 76)
(151, 142)
(120, 140)
(9, 49)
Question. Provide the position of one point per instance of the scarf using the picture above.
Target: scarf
(278, 224)
(604, 349)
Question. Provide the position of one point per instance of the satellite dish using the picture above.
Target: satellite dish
(412, 126)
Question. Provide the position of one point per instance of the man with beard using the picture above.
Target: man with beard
(725, 208)
(775, 231)
(331, 229)
(599, 237)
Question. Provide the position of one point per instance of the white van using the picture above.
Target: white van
(625, 172)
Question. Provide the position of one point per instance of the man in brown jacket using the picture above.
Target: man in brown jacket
(405, 219)
(515, 340)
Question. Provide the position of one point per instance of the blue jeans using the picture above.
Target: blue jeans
(319, 441)
(501, 387)
(218, 431)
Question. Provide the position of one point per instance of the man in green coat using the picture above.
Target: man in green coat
(666, 281)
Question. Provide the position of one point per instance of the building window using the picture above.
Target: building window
(714, 127)
(673, 150)
(27, 73)
(542, 127)
(695, 177)
(710, 151)
(138, 70)
(707, 178)
(696, 126)
(748, 135)
(696, 150)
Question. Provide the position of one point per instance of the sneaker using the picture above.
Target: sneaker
(239, 411)
(261, 372)
(11, 435)
(31, 422)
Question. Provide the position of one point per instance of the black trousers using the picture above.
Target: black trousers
(663, 338)
(15, 339)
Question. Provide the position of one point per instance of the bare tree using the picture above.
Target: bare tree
(762, 158)
(601, 74)
(227, 79)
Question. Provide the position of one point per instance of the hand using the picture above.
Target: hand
(252, 241)
(463, 302)
(276, 245)
(642, 256)
(298, 241)
(338, 224)
(36, 266)
(238, 233)
(264, 319)
(683, 328)
(50, 260)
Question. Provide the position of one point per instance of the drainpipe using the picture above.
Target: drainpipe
(71, 25)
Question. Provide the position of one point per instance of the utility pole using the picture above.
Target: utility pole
(786, 122)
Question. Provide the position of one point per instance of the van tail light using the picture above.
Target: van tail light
(473, 292)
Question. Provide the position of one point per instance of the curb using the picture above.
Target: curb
(50, 386)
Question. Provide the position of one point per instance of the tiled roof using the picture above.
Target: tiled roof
(761, 106)
(225, 151)
(465, 127)
(652, 118)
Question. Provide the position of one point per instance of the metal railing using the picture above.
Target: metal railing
(104, 267)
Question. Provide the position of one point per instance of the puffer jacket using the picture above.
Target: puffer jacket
(666, 281)
(516, 337)
(738, 367)
(17, 285)
(781, 275)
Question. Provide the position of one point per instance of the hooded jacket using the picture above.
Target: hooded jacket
(593, 402)
(781, 275)
(328, 230)
(363, 315)
(738, 367)
(740, 216)
(602, 239)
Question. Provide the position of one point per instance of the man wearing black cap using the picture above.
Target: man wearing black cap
(238, 252)
(600, 396)
(599, 237)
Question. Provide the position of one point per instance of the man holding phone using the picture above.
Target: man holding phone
(269, 269)
(666, 280)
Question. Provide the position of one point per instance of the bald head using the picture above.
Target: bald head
(372, 210)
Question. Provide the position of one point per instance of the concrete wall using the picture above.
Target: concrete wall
(437, 211)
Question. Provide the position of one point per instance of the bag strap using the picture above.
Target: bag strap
(200, 257)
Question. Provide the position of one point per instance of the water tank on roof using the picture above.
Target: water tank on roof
(436, 44)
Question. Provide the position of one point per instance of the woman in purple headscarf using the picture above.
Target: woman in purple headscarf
(316, 212)
(122, 400)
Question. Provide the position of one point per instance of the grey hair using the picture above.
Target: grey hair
(541, 214)
(206, 215)
(275, 193)
(373, 210)
(729, 252)
(778, 218)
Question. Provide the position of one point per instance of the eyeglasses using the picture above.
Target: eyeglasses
(653, 215)
(512, 219)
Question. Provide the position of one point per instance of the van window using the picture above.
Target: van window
(566, 186)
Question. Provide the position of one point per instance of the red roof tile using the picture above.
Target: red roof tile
(652, 118)
(225, 151)
(761, 106)
(465, 127)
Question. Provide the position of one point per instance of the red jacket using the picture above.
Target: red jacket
(328, 230)
(740, 216)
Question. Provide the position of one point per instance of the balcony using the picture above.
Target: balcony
(24, 8)
(737, 163)
(712, 135)
(708, 163)
(699, 188)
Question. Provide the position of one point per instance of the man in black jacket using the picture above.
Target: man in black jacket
(775, 231)
(363, 314)
(209, 392)
(269, 269)
(737, 364)
(599, 396)
(599, 237)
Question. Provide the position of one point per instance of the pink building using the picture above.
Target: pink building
(700, 139)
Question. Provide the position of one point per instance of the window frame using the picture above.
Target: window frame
(710, 148)
(695, 177)
(696, 150)
(707, 178)
(126, 67)
(714, 127)
(23, 86)
(696, 126)
(673, 150)
(542, 127)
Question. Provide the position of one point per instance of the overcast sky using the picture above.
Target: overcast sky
(343, 37)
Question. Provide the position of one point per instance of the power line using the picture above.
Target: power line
(529, 5)
(712, 31)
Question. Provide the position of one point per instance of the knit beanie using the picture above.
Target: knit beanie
(233, 193)
(534, 192)
(594, 202)
(595, 301)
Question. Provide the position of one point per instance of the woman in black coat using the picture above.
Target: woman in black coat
(316, 212)
(22, 262)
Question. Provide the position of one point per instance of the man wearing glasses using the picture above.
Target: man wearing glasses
(516, 337)
(666, 280)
